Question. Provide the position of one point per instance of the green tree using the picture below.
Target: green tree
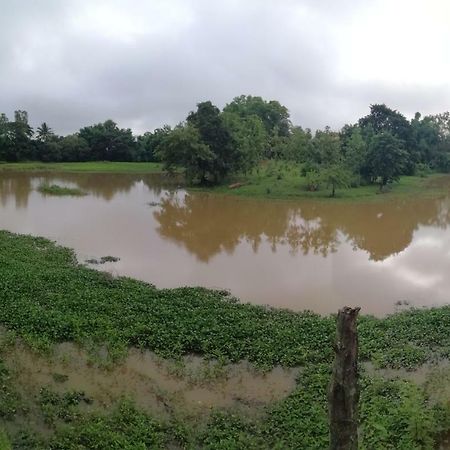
(217, 137)
(298, 144)
(386, 120)
(108, 142)
(387, 158)
(250, 138)
(73, 148)
(20, 135)
(355, 151)
(183, 147)
(147, 144)
(272, 114)
(44, 133)
(335, 176)
(6, 146)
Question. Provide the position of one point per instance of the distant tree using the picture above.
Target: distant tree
(108, 142)
(183, 147)
(327, 147)
(386, 120)
(250, 138)
(20, 135)
(426, 139)
(6, 146)
(147, 144)
(298, 144)
(387, 158)
(44, 133)
(273, 115)
(383, 119)
(73, 148)
(355, 153)
(208, 120)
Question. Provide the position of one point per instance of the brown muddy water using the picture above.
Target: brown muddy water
(298, 255)
(161, 387)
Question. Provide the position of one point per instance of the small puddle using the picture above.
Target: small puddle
(434, 377)
(192, 386)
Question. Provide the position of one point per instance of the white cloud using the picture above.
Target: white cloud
(145, 63)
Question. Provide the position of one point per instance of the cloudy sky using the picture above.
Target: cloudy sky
(144, 63)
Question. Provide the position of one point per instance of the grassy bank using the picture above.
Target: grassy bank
(93, 167)
(277, 180)
(48, 298)
(283, 180)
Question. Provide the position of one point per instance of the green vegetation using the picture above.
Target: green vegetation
(283, 180)
(93, 167)
(48, 298)
(54, 189)
(212, 145)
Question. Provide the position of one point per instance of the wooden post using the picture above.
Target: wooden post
(343, 392)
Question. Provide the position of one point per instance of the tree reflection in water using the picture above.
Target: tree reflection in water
(207, 225)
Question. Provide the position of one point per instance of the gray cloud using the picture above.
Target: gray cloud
(146, 63)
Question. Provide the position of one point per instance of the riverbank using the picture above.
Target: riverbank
(49, 300)
(85, 167)
(283, 180)
(272, 180)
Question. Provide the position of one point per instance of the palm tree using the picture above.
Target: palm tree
(44, 133)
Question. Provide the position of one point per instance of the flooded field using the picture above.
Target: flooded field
(300, 255)
(161, 387)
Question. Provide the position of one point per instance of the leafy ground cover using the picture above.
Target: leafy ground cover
(54, 189)
(48, 298)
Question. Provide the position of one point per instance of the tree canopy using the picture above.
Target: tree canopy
(211, 143)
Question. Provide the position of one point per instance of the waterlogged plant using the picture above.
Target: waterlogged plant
(54, 189)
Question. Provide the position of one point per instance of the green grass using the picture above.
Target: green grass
(47, 298)
(95, 167)
(283, 180)
(54, 189)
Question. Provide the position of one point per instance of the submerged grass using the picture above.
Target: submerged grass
(54, 189)
(47, 298)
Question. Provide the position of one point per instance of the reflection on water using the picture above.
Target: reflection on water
(314, 255)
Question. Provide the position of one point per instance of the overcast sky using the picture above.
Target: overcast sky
(144, 63)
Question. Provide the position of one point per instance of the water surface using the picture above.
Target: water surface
(298, 255)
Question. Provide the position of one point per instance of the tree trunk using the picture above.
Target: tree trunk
(343, 392)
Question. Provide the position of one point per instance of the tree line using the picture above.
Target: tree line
(211, 144)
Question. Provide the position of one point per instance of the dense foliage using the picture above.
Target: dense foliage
(212, 144)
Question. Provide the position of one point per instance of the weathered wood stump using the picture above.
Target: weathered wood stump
(343, 395)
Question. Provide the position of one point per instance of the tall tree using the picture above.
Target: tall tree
(21, 133)
(108, 142)
(355, 153)
(272, 113)
(6, 145)
(147, 144)
(184, 148)
(44, 133)
(214, 133)
(250, 138)
(387, 158)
